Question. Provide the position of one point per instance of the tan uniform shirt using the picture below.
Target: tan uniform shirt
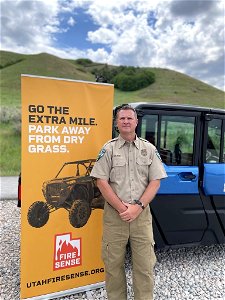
(128, 167)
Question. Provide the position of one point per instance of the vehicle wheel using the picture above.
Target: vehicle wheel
(79, 213)
(38, 214)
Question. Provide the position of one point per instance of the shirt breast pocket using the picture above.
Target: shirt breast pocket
(118, 169)
(143, 164)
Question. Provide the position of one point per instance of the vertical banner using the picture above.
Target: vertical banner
(64, 125)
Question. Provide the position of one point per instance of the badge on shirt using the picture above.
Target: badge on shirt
(101, 154)
(158, 155)
(143, 152)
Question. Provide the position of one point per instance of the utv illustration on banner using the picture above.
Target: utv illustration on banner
(77, 194)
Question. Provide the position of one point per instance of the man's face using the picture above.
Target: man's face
(126, 121)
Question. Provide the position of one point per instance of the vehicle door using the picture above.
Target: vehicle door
(213, 184)
(178, 213)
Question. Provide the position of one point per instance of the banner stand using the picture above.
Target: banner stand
(64, 125)
(69, 292)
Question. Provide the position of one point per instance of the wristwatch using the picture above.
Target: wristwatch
(138, 202)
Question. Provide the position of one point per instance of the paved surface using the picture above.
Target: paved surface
(9, 187)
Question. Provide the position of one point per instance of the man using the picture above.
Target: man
(128, 171)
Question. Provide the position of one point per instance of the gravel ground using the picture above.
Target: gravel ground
(191, 273)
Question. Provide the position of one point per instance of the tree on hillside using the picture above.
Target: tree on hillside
(132, 81)
(125, 78)
(84, 61)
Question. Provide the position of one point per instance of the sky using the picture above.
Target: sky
(183, 35)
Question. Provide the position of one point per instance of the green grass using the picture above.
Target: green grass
(169, 87)
(10, 151)
(173, 87)
(41, 65)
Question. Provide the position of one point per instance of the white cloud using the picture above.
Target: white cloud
(186, 36)
(28, 26)
(71, 21)
(102, 35)
(100, 55)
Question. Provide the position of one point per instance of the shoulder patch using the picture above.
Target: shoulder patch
(158, 155)
(101, 154)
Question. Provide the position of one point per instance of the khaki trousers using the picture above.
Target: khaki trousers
(116, 234)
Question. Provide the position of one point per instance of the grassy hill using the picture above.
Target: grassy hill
(13, 65)
(169, 86)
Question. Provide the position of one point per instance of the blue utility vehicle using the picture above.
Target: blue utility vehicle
(189, 208)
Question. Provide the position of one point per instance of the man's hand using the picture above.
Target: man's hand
(110, 196)
(132, 212)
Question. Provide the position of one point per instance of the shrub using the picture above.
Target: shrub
(17, 128)
(129, 70)
(125, 78)
(129, 81)
(84, 61)
(11, 116)
(4, 115)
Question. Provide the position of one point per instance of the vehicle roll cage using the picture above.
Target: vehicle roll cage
(87, 163)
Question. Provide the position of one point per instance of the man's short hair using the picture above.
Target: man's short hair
(125, 107)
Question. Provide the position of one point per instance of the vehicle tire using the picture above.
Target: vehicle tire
(79, 213)
(38, 214)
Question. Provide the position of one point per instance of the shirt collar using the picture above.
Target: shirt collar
(122, 142)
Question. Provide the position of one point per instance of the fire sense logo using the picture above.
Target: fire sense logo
(67, 252)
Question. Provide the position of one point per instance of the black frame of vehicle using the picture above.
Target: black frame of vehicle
(188, 209)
